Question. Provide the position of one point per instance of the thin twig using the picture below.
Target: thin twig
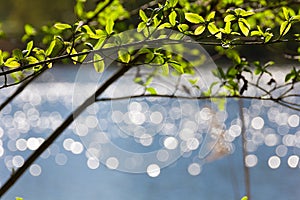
(244, 149)
(21, 88)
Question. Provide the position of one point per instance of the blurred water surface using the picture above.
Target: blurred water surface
(76, 168)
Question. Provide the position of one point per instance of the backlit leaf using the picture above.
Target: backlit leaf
(1, 58)
(109, 26)
(211, 16)
(50, 48)
(172, 18)
(151, 90)
(143, 16)
(29, 47)
(62, 26)
(229, 18)
(124, 56)
(244, 26)
(199, 30)
(194, 18)
(284, 28)
(285, 13)
(12, 63)
(98, 63)
(212, 28)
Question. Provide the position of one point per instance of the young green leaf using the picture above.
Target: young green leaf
(29, 30)
(227, 28)
(29, 47)
(32, 60)
(143, 16)
(165, 25)
(244, 26)
(211, 16)
(199, 30)
(98, 63)
(50, 48)
(151, 90)
(17, 53)
(62, 26)
(12, 63)
(172, 3)
(284, 28)
(178, 67)
(124, 56)
(183, 27)
(194, 18)
(229, 18)
(109, 26)
(1, 58)
(285, 13)
(213, 29)
(244, 198)
(172, 18)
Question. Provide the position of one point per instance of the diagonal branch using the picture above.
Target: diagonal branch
(32, 158)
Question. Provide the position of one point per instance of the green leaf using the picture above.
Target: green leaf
(1, 58)
(295, 18)
(285, 13)
(98, 63)
(151, 90)
(284, 28)
(62, 26)
(257, 70)
(229, 18)
(100, 43)
(172, 18)
(244, 198)
(12, 63)
(183, 27)
(19, 198)
(193, 81)
(244, 26)
(29, 47)
(227, 28)
(141, 26)
(255, 33)
(211, 16)
(50, 48)
(194, 18)
(165, 25)
(148, 80)
(242, 13)
(269, 64)
(199, 30)
(124, 56)
(109, 26)
(78, 8)
(29, 30)
(268, 37)
(173, 3)
(213, 28)
(32, 60)
(17, 53)
(178, 67)
(143, 16)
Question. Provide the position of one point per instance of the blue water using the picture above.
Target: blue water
(73, 179)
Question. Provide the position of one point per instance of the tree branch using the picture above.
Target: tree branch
(14, 177)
